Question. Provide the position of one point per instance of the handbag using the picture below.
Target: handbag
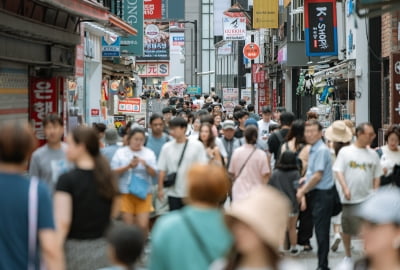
(138, 186)
(337, 204)
(170, 179)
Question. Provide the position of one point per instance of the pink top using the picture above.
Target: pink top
(252, 174)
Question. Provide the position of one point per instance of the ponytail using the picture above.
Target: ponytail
(105, 178)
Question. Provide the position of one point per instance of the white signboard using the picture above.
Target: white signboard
(234, 28)
(230, 97)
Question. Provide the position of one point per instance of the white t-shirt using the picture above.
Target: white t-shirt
(389, 159)
(263, 128)
(169, 159)
(124, 156)
(360, 166)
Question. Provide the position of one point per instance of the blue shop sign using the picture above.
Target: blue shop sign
(111, 46)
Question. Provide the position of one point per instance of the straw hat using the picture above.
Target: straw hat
(338, 132)
(266, 211)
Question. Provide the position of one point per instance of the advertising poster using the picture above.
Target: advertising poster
(234, 28)
(156, 41)
(320, 27)
(230, 97)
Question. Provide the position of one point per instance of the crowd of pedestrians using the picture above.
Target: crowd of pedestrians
(198, 190)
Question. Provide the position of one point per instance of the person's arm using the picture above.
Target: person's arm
(376, 182)
(342, 181)
(62, 214)
(149, 169)
(314, 180)
(134, 162)
(115, 207)
(52, 250)
(265, 178)
(217, 156)
(161, 177)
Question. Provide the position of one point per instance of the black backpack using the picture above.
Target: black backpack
(299, 163)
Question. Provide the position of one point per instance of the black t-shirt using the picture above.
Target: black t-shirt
(90, 211)
(239, 133)
(274, 144)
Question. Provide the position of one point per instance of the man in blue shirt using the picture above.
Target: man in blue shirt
(318, 182)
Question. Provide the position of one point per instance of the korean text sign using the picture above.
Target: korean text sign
(43, 101)
(320, 27)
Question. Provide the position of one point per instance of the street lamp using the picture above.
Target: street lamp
(252, 94)
(194, 22)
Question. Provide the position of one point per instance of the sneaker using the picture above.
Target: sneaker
(336, 243)
(307, 248)
(294, 251)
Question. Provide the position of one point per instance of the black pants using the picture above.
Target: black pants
(175, 203)
(321, 204)
(306, 226)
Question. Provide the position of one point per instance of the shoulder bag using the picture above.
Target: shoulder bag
(170, 179)
(244, 164)
(198, 239)
(138, 186)
(33, 211)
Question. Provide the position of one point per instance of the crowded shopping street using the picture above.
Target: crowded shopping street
(200, 134)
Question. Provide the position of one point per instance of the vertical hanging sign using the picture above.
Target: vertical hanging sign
(320, 27)
(133, 14)
(265, 14)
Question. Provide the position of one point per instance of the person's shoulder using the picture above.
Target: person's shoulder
(167, 222)
(40, 151)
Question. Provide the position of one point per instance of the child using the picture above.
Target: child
(125, 246)
(285, 178)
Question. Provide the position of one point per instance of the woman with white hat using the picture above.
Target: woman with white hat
(339, 134)
(258, 224)
(380, 231)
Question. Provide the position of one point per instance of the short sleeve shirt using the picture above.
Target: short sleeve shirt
(320, 161)
(14, 190)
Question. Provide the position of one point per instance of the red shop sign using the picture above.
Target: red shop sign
(42, 101)
(152, 9)
(251, 50)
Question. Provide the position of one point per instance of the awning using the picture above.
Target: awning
(86, 9)
(120, 26)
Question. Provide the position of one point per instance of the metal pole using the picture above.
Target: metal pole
(195, 52)
(253, 101)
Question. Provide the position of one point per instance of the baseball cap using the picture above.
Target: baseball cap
(228, 124)
(251, 122)
(383, 207)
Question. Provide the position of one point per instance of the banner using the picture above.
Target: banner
(320, 27)
(395, 66)
(234, 28)
(133, 14)
(156, 41)
(230, 97)
(258, 73)
(43, 101)
(219, 7)
(110, 46)
(129, 105)
(177, 43)
(265, 14)
(152, 9)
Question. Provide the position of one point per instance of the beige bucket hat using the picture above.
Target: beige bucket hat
(266, 211)
(338, 132)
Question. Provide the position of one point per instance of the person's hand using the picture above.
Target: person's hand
(302, 181)
(385, 171)
(300, 194)
(347, 193)
(161, 194)
(134, 162)
(303, 204)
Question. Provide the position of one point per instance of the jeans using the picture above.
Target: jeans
(321, 204)
(175, 203)
(305, 225)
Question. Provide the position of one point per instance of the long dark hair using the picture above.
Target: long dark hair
(211, 138)
(297, 131)
(105, 178)
(287, 161)
(339, 145)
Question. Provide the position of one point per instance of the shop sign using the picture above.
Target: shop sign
(230, 97)
(225, 49)
(177, 43)
(111, 46)
(395, 65)
(132, 13)
(119, 120)
(79, 51)
(251, 50)
(152, 9)
(129, 105)
(156, 41)
(152, 69)
(265, 14)
(95, 112)
(42, 101)
(258, 73)
(234, 28)
(320, 27)
(193, 90)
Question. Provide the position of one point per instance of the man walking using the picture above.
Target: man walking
(49, 161)
(318, 183)
(264, 123)
(358, 170)
(228, 139)
(189, 151)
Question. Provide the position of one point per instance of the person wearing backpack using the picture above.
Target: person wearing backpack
(277, 138)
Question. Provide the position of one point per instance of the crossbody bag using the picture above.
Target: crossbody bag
(170, 179)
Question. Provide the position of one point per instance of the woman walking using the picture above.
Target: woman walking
(135, 163)
(208, 139)
(83, 201)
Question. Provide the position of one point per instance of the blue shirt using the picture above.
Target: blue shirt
(175, 248)
(156, 144)
(109, 151)
(319, 160)
(14, 219)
